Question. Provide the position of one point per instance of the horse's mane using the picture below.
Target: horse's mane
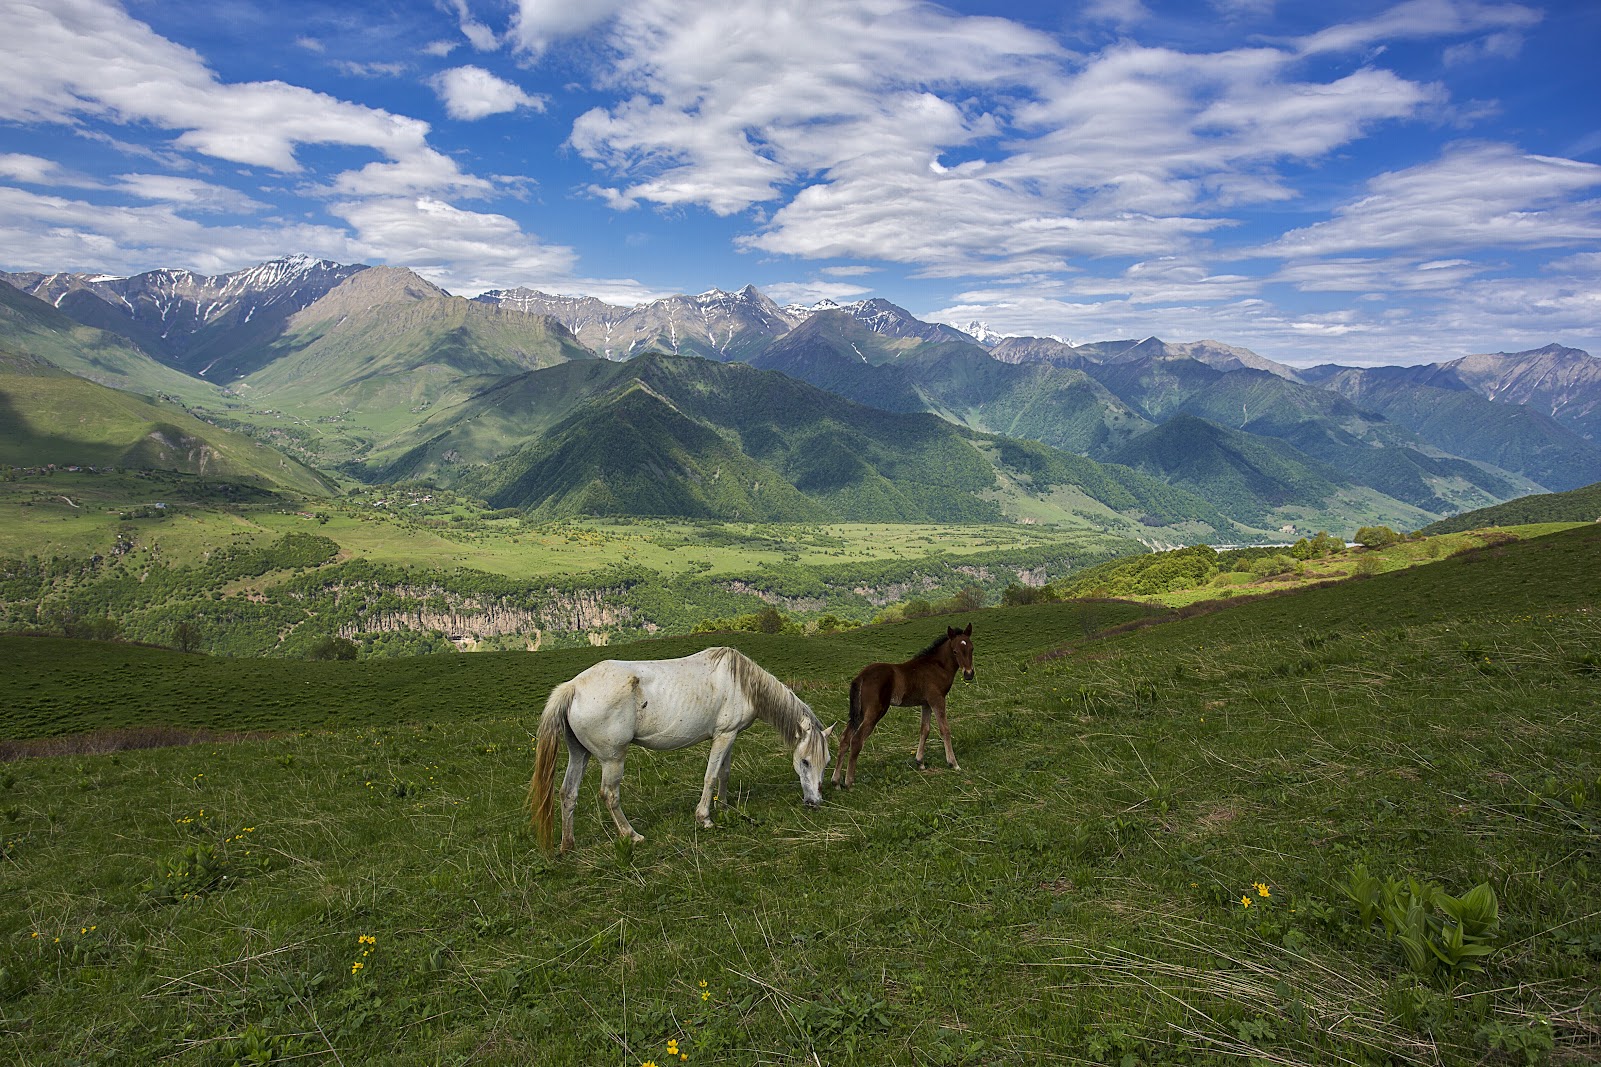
(933, 648)
(775, 703)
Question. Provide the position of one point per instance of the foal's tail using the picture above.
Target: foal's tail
(552, 728)
(856, 704)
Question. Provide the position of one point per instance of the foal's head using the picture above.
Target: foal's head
(960, 643)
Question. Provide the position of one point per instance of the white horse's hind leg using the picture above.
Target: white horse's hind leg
(577, 761)
(611, 781)
(716, 777)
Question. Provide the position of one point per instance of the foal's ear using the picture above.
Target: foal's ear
(951, 631)
(969, 630)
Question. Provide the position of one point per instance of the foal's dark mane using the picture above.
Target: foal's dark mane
(933, 648)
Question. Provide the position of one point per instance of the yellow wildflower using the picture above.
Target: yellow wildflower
(358, 965)
(1261, 889)
(1246, 901)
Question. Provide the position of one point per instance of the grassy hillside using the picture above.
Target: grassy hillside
(66, 420)
(1258, 481)
(1511, 436)
(1145, 858)
(663, 435)
(1064, 408)
(400, 571)
(1363, 446)
(31, 326)
(1575, 505)
(385, 345)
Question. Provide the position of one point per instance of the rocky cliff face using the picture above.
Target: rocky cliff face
(1562, 382)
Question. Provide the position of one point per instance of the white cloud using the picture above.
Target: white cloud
(70, 58)
(474, 93)
(425, 171)
(1422, 312)
(1505, 45)
(465, 251)
(1378, 275)
(896, 131)
(352, 69)
(33, 170)
(1123, 13)
(51, 233)
(1474, 197)
(478, 35)
(540, 22)
(189, 194)
(814, 291)
(1421, 19)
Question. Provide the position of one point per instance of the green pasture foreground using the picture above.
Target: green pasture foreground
(1141, 861)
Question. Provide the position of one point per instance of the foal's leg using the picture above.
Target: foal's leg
(944, 732)
(870, 716)
(922, 737)
(611, 781)
(716, 776)
(846, 739)
(577, 761)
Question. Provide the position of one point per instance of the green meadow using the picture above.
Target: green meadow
(80, 513)
(1355, 824)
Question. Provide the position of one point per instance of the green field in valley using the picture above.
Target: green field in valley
(1250, 834)
(404, 570)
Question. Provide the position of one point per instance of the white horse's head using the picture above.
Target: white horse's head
(811, 759)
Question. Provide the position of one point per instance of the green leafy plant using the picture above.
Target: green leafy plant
(1440, 935)
(1532, 1041)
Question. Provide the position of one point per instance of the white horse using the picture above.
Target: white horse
(665, 704)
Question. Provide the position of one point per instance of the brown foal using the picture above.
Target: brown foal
(921, 681)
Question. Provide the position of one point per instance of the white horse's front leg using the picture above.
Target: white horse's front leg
(716, 777)
(611, 781)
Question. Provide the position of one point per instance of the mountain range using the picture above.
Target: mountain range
(730, 405)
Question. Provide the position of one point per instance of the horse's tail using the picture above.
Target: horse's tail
(552, 728)
(856, 704)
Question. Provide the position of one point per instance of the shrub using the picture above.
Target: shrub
(1377, 537)
(769, 620)
(332, 647)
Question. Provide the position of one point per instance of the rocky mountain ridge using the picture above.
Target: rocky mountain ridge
(377, 348)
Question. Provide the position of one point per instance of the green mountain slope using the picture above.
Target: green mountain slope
(632, 452)
(834, 351)
(1575, 505)
(30, 325)
(385, 345)
(1365, 447)
(691, 437)
(1248, 477)
(1443, 411)
(1062, 407)
(50, 416)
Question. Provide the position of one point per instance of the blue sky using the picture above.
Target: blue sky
(1361, 182)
